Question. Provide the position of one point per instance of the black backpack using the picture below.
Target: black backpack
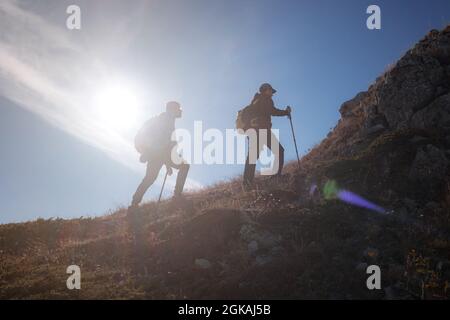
(244, 117)
(145, 138)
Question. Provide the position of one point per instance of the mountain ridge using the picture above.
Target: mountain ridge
(292, 239)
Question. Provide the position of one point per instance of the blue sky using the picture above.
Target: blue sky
(58, 160)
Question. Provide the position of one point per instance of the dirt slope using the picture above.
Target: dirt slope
(291, 238)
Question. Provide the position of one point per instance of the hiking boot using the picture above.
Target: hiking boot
(132, 209)
(178, 198)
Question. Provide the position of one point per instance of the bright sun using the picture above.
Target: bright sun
(117, 107)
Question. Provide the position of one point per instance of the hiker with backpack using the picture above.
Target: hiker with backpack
(258, 116)
(155, 145)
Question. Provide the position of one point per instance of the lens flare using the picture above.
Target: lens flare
(356, 200)
(331, 191)
(312, 189)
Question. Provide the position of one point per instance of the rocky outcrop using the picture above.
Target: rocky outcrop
(434, 115)
(414, 93)
(290, 238)
(428, 167)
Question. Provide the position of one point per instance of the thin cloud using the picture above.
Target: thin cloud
(47, 73)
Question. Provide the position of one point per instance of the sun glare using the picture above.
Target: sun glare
(117, 107)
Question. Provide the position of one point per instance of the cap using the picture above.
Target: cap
(266, 86)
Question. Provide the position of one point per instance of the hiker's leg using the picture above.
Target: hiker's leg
(150, 177)
(183, 169)
(279, 157)
(249, 172)
(250, 164)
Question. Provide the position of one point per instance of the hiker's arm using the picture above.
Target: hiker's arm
(168, 169)
(279, 113)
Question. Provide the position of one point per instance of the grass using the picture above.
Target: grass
(318, 245)
(278, 241)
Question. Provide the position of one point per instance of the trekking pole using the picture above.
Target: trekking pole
(295, 141)
(160, 194)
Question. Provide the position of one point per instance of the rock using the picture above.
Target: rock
(252, 247)
(264, 238)
(418, 139)
(432, 205)
(417, 79)
(401, 214)
(429, 165)
(202, 263)
(349, 108)
(268, 240)
(372, 116)
(375, 129)
(263, 260)
(247, 232)
(436, 115)
(395, 271)
(410, 205)
(362, 266)
(413, 93)
(283, 196)
(389, 293)
(444, 267)
(278, 250)
(312, 245)
(408, 87)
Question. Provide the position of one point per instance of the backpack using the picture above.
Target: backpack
(244, 117)
(144, 139)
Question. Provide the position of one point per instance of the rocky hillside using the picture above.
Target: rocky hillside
(295, 238)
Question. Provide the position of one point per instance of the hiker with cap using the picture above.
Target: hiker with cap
(259, 114)
(154, 143)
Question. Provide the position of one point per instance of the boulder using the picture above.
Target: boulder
(378, 128)
(436, 115)
(352, 107)
(202, 263)
(252, 247)
(429, 165)
(408, 87)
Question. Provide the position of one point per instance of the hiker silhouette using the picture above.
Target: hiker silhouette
(155, 145)
(261, 110)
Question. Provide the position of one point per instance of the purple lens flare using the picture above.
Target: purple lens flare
(312, 189)
(354, 199)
